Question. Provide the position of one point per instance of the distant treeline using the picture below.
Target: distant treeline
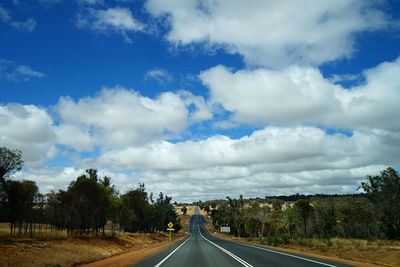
(309, 197)
(89, 203)
(372, 215)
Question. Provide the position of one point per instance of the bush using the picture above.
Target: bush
(286, 239)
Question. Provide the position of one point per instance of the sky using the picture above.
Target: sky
(202, 99)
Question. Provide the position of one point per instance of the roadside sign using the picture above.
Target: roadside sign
(170, 229)
(225, 229)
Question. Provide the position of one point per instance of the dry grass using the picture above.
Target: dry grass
(356, 252)
(56, 249)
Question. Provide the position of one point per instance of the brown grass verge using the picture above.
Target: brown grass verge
(363, 256)
(55, 249)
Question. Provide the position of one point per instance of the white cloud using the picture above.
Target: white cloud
(4, 14)
(119, 20)
(160, 75)
(270, 33)
(118, 117)
(129, 131)
(298, 95)
(270, 161)
(336, 78)
(28, 72)
(50, 179)
(28, 128)
(28, 25)
(273, 148)
(284, 97)
(13, 72)
(90, 2)
(273, 160)
(200, 110)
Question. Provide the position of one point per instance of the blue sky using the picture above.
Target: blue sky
(202, 99)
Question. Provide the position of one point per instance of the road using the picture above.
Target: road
(203, 249)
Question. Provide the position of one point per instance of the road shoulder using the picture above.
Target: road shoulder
(134, 256)
(299, 252)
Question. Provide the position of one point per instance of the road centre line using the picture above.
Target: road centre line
(283, 253)
(170, 254)
(226, 251)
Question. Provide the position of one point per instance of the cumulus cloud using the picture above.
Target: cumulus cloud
(128, 134)
(118, 117)
(270, 33)
(279, 149)
(199, 108)
(119, 20)
(13, 72)
(272, 160)
(298, 95)
(28, 128)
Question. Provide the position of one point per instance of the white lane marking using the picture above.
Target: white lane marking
(170, 254)
(283, 253)
(226, 251)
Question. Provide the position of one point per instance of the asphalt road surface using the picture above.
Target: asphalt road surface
(203, 249)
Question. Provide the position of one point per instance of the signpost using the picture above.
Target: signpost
(225, 229)
(170, 229)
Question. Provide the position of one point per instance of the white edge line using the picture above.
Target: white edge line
(226, 251)
(282, 253)
(170, 254)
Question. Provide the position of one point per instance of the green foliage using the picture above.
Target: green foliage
(384, 191)
(10, 162)
(19, 205)
(371, 216)
(304, 210)
(184, 210)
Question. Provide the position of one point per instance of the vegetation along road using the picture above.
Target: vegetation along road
(203, 249)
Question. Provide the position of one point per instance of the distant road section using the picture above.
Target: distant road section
(203, 249)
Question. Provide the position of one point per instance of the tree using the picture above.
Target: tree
(325, 220)
(384, 191)
(357, 218)
(304, 209)
(137, 203)
(237, 211)
(257, 218)
(20, 202)
(184, 210)
(166, 213)
(10, 162)
(91, 201)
